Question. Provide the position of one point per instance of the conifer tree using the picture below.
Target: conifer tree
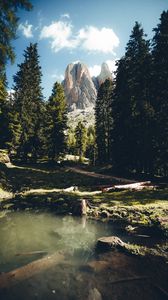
(104, 121)
(28, 103)
(56, 123)
(81, 140)
(159, 92)
(8, 26)
(4, 109)
(91, 149)
(132, 109)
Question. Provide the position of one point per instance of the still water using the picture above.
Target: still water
(76, 271)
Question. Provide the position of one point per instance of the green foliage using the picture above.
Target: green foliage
(56, 123)
(4, 117)
(81, 140)
(159, 93)
(28, 106)
(132, 110)
(91, 149)
(103, 113)
(8, 27)
(71, 141)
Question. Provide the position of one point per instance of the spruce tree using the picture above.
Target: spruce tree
(132, 109)
(81, 140)
(121, 112)
(103, 116)
(4, 118)
(91, 149)
(28, 103)
(56, 123)
(8, 26)
(159, 93)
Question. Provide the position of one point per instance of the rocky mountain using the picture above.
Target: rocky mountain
(79, 87)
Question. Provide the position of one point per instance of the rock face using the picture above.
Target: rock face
(79, 87)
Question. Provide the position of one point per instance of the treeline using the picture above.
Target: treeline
(33, 127)
(132, 112)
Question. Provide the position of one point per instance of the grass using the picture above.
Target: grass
(135, 207)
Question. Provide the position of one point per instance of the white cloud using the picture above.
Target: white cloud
(111, 65)
(100, 40)
(65, 16)
(95, 70)
(26, 29)
(60, 34)
(57, 77)
(89, 38)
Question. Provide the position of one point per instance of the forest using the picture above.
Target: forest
(131, 129)
(93, 228)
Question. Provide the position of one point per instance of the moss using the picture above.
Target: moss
(159, 251)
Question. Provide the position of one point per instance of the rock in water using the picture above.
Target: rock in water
(78, 86)
(94, 294)
(80, 208)
(109, 243)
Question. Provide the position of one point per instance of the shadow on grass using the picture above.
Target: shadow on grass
(132, 197)
(49, 176)
(59, 203)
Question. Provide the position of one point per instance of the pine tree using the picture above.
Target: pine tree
(8, 27)
(91, 149)
(104, 121)
(4, 110)
(56, 123)
(121, 112)
(81, 140)
(71, 141)
(132, 109)
(28, 103)
(159, 92)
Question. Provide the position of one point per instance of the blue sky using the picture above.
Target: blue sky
(91, 31)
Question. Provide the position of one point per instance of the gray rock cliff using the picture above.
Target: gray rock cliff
(79, 87)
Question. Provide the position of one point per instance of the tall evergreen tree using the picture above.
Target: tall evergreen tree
(160, 92)
(8, 26)
(132, 110)
(104, 121)
(4, 118)
(28, 102)
(91, 149)
(81, 140)
(56, 122)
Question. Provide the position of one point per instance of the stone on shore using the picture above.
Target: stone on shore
(109, 243)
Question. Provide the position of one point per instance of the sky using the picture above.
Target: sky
(90, 31)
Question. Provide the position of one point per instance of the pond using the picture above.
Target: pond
(66, 263)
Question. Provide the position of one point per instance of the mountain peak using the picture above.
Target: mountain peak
(78, 86)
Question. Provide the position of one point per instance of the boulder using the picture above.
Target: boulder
(109, 243)
(94, 294)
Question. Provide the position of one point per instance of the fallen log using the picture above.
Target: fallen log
(129, 279)
(31, 253)
(20, 274)
(161, 290)
(137, 186)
